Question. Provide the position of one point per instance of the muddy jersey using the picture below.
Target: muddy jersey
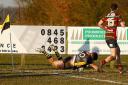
(112, 20)
(79, 60)
(86, 59)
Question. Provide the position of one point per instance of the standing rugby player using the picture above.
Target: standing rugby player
(109, 24)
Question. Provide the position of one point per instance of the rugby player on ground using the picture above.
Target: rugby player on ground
(80, 60)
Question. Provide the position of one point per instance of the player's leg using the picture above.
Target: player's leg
(59, 57)
(53, 61)
(119, 64)
(118, 56)
(49, 57)
(58, 64)
(94, 66)
(112, 56)
(41, 50)
(108, 59)
(112, 44)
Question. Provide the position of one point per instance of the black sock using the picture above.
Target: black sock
(47, 55)
(58, 55)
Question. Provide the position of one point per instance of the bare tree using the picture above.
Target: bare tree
(66, 12)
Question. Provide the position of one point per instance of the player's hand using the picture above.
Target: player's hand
(105, 28)
(109, 29)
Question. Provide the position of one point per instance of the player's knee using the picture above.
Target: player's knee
(113, 57)
(51, 60)
(58, 64)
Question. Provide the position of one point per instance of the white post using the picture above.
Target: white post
(11, 52)
(22, 60)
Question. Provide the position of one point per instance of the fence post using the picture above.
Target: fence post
(22, 60)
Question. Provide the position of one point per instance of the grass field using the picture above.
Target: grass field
(37, 71)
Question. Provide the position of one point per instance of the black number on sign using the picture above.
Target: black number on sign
(42, 32)
(56, 47)
(62, 40)
(49, 40)
(55, 40)
(49, 32)
(62, 32)
(55, 32)
(49, 49)
(62, 49)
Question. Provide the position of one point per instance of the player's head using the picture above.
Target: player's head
(94, 55)
(59, 64)
(114, 6)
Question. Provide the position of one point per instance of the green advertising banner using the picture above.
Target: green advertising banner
(93, 34)
(93, 39)
(127, 34)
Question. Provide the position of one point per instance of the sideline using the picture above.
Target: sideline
(100, 80)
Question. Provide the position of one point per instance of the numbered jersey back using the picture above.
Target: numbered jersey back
(112, 19)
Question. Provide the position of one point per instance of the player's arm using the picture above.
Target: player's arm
(100, 24)
(122, 23)
(94, 66)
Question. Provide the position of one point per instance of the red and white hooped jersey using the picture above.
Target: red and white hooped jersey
(112, 20)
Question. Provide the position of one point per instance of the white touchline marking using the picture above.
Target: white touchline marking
(108, 81)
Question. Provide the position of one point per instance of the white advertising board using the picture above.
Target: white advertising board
(92, 39)
(25, 39)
